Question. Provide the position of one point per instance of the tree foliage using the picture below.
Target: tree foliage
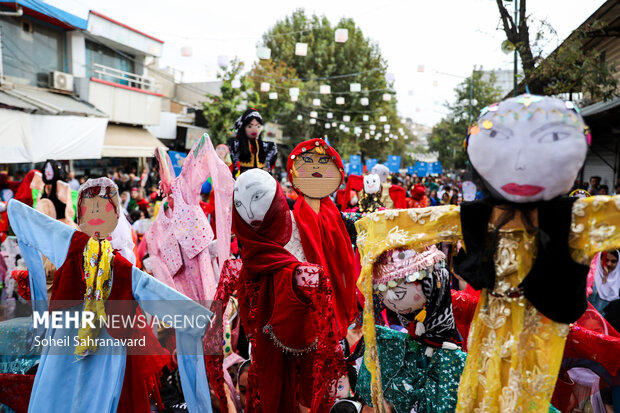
(330, 63)
(448, 135)
(572, 67)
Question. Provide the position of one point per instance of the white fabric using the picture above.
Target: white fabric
(607, 291)
(121, 239)
(294, 244)
(35, 138)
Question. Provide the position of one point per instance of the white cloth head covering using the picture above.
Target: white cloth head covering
(607, 291)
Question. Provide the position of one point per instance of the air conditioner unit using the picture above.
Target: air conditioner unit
(61, 81)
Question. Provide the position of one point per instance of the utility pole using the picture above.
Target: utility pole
(514, 74)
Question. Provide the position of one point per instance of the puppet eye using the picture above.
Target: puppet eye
(324, 159)
(400, 294)
(258, 195)
(307, 159)
(238, 204)
(553, 136)
(496, 134)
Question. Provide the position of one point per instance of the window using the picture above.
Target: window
(30, 51)
(99, 54)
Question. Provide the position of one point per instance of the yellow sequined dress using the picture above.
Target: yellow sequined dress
(514, 351)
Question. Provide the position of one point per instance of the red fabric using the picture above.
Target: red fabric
(16, 389)
(354, 183)
(398, 195)
(23, 283)
(142, 371)
(5, 183)
(326, 242)
(143, 204)
(340, 197)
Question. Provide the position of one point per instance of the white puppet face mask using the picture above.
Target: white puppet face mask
(528, 148)
(254, 193)
(382, 171)
(372, 184)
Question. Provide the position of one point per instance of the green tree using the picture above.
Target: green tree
(570, 68)
(281, 78)
(448, 135)
(331, 63)
(222, 110)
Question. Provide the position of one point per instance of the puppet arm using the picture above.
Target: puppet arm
(190, 320)
(39, 235)
(594, 227)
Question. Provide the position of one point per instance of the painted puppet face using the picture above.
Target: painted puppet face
(529, 148)
(372, 184)
(317, 175)
(98, 215)
(222, 150)
(253, 129)
(405, 298)
(253, 195)
(469, 191)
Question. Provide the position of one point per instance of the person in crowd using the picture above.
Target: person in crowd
(433, 199)
(74, 184)
(595, 182)
(603, 190)
(606, 280)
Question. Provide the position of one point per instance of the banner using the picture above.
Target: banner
(437, 168)
(421, 169)
(411, 170)
(355, 165)
(177, 159)
(370, 163)
(393, 163)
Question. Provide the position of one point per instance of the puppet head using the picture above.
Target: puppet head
(382, 171)
(315, 168)
(249, 124)
(418, 192)
(253, 195)
(528, 148)
(98, 207)
(223, 152)
(53, 171)
(372, 184)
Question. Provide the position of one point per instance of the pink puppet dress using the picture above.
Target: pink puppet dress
(178, 240)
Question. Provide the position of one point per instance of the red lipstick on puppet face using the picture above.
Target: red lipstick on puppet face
(96, 221)
(522, 190)
(317, 175)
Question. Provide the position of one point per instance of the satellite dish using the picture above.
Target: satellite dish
(508, 47)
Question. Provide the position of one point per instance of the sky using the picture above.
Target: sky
(447, 37)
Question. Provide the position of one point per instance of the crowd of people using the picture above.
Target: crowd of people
(332, 299)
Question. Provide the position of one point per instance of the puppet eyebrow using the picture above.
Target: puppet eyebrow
(251, 184)
(502, 128)
(547, 126)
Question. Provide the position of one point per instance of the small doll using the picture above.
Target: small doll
(247, 148)
(371, 199)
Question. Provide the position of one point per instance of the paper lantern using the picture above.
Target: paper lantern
(367, 135)
(378, 134)
(346, 129)
(390, 77)
(435, 83)
(420, 68)
(263, 52)
(264, 87)
(312, 121)
(372, 127)
(383, 119)
(294, 98)
(314, 114)
(325, 89)
(186, 51)
(346, 118)
(355, 87)
(316, 102)
(235, 83)
(365, 118)
(342, 35)
(357, 130)
(334, 124)
(294, 91)
(372, 132)
(327, 126)
(330, 115)
(386, 127)
(222, 60)
(387, 97)
(387, 139)
(299, 117)
(301, 49)
(364, 101)
(341, 126)
(339, 101)
(273, 95)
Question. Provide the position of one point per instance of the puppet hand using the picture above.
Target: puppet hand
(307, 275)
(449, 346)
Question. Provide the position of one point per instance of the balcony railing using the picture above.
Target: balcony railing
(121, 77)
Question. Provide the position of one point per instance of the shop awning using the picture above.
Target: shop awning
(26, 137)
(129, 142)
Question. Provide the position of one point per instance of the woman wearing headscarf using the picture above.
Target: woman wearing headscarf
(247, 148)
(606, 280)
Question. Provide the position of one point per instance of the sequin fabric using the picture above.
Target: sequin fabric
(411, 380)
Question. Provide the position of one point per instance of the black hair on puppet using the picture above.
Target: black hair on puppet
(244, 141)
